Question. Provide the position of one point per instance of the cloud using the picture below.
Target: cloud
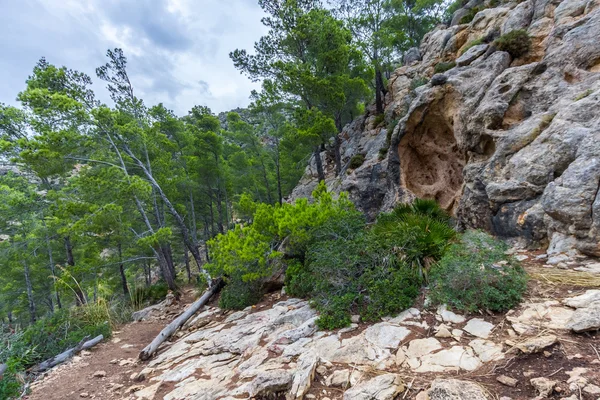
(177, 50)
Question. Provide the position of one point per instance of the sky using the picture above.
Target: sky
(177, 50)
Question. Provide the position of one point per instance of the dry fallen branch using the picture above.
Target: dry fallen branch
(64, 356)
(170, 329)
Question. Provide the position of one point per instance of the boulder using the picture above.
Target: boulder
(412, 55)
(478, 327)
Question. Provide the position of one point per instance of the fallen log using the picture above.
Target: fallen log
(170, 329)
(66, 355)
(3, 368)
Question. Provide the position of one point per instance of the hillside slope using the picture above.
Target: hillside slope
(511, 145)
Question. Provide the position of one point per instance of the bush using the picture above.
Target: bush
(245, 255)
(418, 233)
(467, 18)
(238, 294)
(442, 67)
(382, 153)
(356, 161)
(418, 81)
(378, 120)
(298, 282)
(147, 295)
(516, 43)
(476, 274)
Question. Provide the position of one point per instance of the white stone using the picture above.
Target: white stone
(449, 316)
(487, 350)
(453, 359)
(478, 327)
(420, 347)
(339, 378)
(386, 335)
(382, 387)
(584, 300)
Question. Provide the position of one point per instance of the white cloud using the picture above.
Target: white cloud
(178, 50)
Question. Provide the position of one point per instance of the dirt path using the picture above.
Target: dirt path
(105, 372)
(116, 358)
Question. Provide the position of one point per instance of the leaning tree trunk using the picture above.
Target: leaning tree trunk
(79, 295)
(170, 329)
(66, 355)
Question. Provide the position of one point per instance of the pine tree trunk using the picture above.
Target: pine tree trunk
(379, 90)
(30, 299)
(122, 272)
(278, 171)
(187, 264)
(53, 271)
(319, 163)
(79, 295)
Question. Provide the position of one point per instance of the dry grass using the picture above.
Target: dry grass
(555, 276)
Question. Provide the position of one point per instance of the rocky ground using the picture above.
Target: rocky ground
(547, 348)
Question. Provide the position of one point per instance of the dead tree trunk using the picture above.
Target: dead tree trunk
(170, 329)
(66, 355)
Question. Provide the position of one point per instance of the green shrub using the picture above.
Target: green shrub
(246, 255)
(467, 18)
(146, 295)
(382, 153)
(476, 274)
(418, 81)
(378, 120)
(298, 282)
(419, 233)
(442, 67)
(356, 161)
(516, 43)
(237, 294)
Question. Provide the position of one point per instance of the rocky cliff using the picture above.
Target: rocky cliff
(507, 144)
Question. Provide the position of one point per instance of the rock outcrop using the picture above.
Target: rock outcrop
(508, 145)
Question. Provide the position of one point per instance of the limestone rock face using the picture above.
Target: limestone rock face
(507, 145)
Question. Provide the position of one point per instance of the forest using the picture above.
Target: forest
(106, 207)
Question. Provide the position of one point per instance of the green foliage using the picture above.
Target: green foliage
(419, 232)
(517, 43)
(476, 274)
(418, 81)
(442, 67)
(356, 161)
(238, 294)
(372, 272)
(148, 295)
(378, 120)
(248, 254)
(467, 18)
(382, 152)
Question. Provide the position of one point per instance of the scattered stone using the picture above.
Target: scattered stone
(420, 347)
(534, 344)
(339, 378)
(452, 359)
(443, 332)
(148, 393)
(457, 333)
(99, 374)
(385, 335)
(585, 319)
(592, 389)
(84, 395)
(521, 257)
(487, 350)
(449, 316)
(454, 389)
(382, 387)
(350, 328)
(507, 380)
(322, 370)
(127, 362)
(355, 319)
(113, 361)
(478, 327)
(303, 376)
(543, 386)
